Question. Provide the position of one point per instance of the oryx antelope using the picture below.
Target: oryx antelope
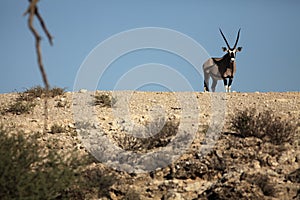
(221, 68)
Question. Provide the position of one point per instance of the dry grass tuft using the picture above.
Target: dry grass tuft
(265, 125)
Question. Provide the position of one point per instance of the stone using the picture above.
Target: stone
(83, 91)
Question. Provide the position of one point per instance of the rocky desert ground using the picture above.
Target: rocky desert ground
(215, 162)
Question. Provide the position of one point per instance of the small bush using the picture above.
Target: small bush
(55, 128)
(99, 179)
(32, 93)
(161, 137)
(56, 91)
(104, 100)
(243, 122)
(39, 92)
(30, 172)
(21, 107)
(264, 125)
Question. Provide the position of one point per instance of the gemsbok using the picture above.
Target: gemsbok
(221, 68)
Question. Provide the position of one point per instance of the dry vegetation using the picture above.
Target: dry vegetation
(256, 157)
(264, 125)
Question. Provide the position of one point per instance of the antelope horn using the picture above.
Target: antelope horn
(237, 39)
(225, 39)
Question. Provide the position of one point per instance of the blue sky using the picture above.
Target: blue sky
(270, 37)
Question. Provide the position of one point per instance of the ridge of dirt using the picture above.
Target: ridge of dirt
(235, 168)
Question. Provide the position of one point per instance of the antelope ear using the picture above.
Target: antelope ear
(239, 49)
(224, 48)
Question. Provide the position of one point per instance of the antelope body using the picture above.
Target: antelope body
(221, 68)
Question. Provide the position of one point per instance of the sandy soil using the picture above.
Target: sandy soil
(231, 168)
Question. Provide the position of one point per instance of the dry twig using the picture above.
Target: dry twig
(32, 11)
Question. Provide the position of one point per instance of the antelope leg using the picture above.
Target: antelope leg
(213, 85)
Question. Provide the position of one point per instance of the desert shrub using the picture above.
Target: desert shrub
(56, 128)
(161, 136)
(30, 172)
(39, 92)
(21, 107)
(32, 93)
(99, 180)
(265, 125)
(104, 100)
(56, 91)
(243, 122)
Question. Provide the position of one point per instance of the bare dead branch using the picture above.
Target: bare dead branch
(33, 11)
(43, 25)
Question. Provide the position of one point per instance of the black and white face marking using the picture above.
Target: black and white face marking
(232, 52)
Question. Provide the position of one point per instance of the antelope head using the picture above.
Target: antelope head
(231, 51)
